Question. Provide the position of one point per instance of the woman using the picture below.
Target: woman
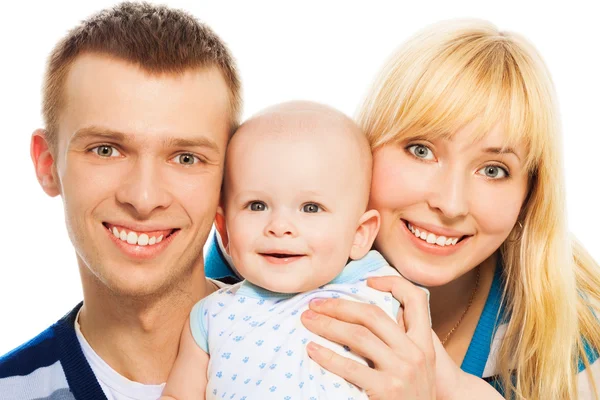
(468, 180)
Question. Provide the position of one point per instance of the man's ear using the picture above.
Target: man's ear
(222, 228)
(43, 162)
(368, 227)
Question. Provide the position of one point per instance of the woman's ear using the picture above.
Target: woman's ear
(221, 227)
(43, 162)
(368, 227)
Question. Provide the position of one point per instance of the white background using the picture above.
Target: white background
(323, 51)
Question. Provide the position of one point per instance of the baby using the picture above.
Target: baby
(293, 213)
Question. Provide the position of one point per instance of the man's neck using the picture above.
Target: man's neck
(139, 337)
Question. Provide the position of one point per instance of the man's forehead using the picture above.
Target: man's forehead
(110, 97)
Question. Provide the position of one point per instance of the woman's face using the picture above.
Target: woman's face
(446, 205)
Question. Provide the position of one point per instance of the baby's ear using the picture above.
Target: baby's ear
(368, 226)
(221, 227)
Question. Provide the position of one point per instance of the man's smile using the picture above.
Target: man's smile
(140, 243)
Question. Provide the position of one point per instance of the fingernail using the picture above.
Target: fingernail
(310, 314)
(317, 302)
(312, 346)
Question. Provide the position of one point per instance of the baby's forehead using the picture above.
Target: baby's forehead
(300, 123)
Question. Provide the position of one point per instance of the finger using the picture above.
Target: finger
(415, 304)
(352, 371)
(360, 339)
(370, 316)
(400, 318)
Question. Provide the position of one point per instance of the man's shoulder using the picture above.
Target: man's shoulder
(34, 369)
(41, 351)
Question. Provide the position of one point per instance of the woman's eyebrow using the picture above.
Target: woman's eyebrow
(501, 150)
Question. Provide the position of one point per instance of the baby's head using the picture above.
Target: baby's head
(295, 193)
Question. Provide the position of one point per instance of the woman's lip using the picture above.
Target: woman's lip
(436, 230)
(430, 248)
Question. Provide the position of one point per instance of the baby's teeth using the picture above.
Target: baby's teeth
(132, 238)
(449, 241)
(123, 235)
(423, 235)
(454, 241)
(143, 240)
(115, 232)
(431, 238)
(441, 241)
(417, 233)
(152, 240)
(160, 238)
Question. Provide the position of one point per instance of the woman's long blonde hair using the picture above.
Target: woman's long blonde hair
(458, 72)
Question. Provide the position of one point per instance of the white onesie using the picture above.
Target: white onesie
(257, 343)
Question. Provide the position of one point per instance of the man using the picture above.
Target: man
(139, 102)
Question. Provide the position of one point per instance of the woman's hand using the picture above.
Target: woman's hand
(408, 361)
(402, 354)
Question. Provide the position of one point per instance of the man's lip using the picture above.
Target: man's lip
(436, 230)
(150, 230)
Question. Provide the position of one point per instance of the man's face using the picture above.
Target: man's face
(139, 162)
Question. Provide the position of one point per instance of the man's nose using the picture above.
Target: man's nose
(144, 189)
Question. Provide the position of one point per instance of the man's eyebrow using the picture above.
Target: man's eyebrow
(200, 141)
(502, 150)
(93, 132)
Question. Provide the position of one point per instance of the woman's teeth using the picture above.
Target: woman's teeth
(134, 238)
(431, 238)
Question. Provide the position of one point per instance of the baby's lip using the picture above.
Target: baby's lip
(281, 253)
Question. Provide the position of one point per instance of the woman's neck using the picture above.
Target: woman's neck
(448, 303)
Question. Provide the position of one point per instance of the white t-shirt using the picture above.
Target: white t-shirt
(115, 385)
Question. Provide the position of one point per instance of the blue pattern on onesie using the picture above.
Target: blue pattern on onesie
(257, 343)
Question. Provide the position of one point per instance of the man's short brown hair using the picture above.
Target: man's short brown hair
(158, 39)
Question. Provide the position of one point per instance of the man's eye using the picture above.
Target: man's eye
(420, 151)
(311, 208)
(187, 159)
(493, 172)
(257, 206)
(106, 151)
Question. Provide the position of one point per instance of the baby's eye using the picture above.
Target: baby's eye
(106, 151)
(420, 151)
(311, 208)
(257, 206)
(493, 172)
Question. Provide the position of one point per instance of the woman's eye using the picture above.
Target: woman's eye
(257, 206)
(106, 151)
(421, 151)
(186, 159)
(493, 172)
(311, 208)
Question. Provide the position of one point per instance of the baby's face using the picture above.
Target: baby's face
(292, 206)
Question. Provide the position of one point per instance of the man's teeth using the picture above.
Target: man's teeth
(133, 238)
(433, 239)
